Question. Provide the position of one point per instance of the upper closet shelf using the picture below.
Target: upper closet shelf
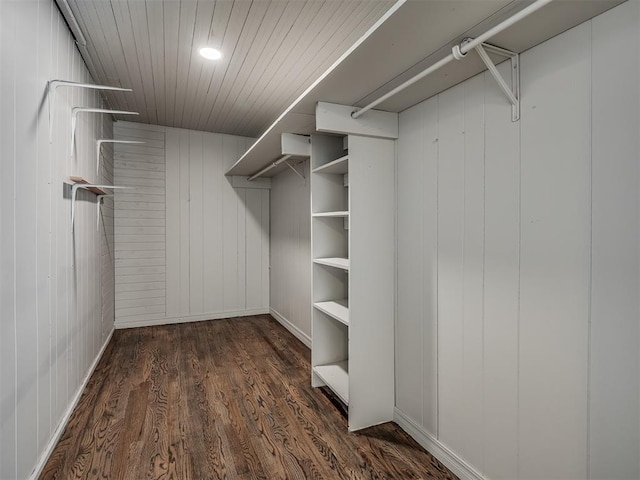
(339, 166)
(282, 138)
(418, 35)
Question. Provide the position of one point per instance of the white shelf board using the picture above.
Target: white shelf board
(268, 148)
(336, 376)
(339, 166)
(338, 309)
(342, 263)
(332, 214)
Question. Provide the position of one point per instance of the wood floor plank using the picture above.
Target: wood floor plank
(223, 399)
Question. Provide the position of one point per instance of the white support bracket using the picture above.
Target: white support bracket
(77, 110)
(512, 92)
(52, 85)
(99, 143)
(97, 189)
(100, 197)
(304, 179)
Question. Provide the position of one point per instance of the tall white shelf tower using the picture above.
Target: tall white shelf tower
(352, 232)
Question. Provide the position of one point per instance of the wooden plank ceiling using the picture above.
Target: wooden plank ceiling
(273, 50)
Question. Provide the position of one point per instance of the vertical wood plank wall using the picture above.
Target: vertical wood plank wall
(56, 288)
(291, 251)
(189, 245)
(517, 315)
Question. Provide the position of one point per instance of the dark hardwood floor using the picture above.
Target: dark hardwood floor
(221, 399)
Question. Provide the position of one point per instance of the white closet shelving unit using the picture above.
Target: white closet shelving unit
(352, 250)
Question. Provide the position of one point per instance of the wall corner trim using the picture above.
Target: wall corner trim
(450, 459)
(295, 331)
(44, 457)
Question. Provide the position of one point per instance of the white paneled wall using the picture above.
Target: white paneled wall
(140, 222)
(189, 245)
(291, 251)
(615, 124)
(56, 289)
(518, 264)
(217, 235)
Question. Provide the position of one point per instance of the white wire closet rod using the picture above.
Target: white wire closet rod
(76, 110)
(269, 167)
(458, 52)
(52, 86)
(99, 143)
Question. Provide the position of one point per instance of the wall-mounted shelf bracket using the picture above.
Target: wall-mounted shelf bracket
(52, 86)
(99, 143)
(511, 92)
(81, 183)
(77, 110)
(99, 205)
(296, 171)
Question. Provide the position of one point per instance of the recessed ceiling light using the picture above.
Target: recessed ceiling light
(211, 53)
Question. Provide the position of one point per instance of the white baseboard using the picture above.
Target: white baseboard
(190, 318)
(299, 334)
(67, 414)
(449, 458)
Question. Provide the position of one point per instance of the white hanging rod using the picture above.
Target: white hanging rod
(100, 197)
(99, 143)
(86, 186)
(77, 110)
(458, 52)
(52, 85)
(269, 167)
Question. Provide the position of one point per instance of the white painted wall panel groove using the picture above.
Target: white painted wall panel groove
(517, 332)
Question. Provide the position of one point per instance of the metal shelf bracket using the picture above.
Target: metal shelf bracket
(85, 186)
(99, 143)
(511, 92)
(288, 164)
(52, 86)
(77, 110)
